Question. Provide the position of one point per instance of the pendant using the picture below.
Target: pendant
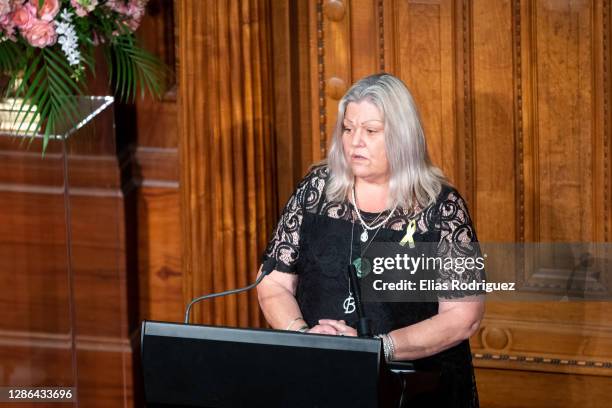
(364, 235)
(349, 304)
(362, 266)
(357, 264)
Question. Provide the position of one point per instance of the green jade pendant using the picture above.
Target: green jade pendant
(362, 266)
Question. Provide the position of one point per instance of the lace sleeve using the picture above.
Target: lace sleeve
(459, 249)
(283, 249)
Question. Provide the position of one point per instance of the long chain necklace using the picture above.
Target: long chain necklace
(349, 303)
(364, 235)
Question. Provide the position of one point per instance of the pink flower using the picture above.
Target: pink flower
(83, 7)
(24, 16)
(5, 7)
(117, 5)
(8, 27)
(41, 34)
(49, 9)
(130, 12)
(135, 8)
(135, 13)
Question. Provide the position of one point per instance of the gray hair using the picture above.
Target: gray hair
(414, 179)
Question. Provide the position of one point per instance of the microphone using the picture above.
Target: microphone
(363, 323)
(224, 293)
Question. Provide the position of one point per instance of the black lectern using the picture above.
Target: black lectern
(211, 366)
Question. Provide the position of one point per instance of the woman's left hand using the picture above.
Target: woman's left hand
(340, 326)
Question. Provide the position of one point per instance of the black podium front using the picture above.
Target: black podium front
(211, 366)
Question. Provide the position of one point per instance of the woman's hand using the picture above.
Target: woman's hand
(323, 329)
(340, 327)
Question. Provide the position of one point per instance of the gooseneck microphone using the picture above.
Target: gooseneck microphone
(225, 293)
(363, 323)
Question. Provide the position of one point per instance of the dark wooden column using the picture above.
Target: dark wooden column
(226, 151)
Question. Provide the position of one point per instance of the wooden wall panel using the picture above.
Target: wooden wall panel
(64, 269)
(364, 53)
(42, 359)
(226, 143)
(291, 95)
(97, 376)
(494, 131)
(423, 40)
(155, 173)
(160, 284)
(562, 138)
(35, 282)
(518, 389)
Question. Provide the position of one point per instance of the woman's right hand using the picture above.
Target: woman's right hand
(323, 329)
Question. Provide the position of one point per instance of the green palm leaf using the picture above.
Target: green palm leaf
(48, 89)
(132, 67)
(11, 56)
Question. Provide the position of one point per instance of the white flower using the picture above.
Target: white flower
(66, 15)
(68, 38)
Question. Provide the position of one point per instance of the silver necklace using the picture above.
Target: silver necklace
(364, 235)
(349, 303)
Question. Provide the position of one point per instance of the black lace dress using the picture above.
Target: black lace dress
(313, 240)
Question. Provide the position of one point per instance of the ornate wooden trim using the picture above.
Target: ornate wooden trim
(575, 347)
(607, 27)
(321, 79)
(543, 360)
(518, 114)
(540, 363)
(381, 35)
(468, 125)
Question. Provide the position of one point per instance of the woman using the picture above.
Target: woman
(377, 183)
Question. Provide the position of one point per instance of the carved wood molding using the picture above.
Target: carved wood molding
(579, 348)
(322, 111)
(334, 71)
(469, 187)
(518, 114)
(381, 34)
(607, 113)
(541, 363)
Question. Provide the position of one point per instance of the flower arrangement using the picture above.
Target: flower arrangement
(47, 48)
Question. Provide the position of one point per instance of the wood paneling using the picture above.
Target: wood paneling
(292, 104)
(493, 120)
(423, 42)
(65, 284)
(154, 162)
(518, 389)
(99, 371)
(226, 141)
(160, 283)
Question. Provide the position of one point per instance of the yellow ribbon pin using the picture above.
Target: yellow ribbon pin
(408, 238)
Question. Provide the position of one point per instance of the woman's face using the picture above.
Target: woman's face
(363, 139)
